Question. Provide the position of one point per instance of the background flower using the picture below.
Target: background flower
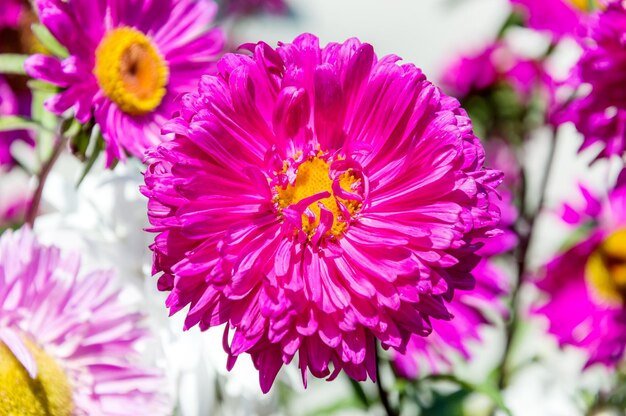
(128, 63)
(71, 334)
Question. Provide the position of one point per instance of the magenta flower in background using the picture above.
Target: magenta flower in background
(586, 284)
(67, 344)
(12, 105)
(601, 115)
(247, 7)
(315, 200)
(129, 62)
(560, 18)
(12, 11)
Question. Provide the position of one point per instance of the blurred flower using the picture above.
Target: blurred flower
(11, 13)
(601, 115)
(501, 90)
(558, 17)
(129, 61)
(314, 200)
(10, 106)
(248, 7)
(586, 284)
(67, 344)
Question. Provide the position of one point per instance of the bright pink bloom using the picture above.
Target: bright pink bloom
(586, 284)
(315, 200)
(560, 18)
(129, 63)
(80, 323)
(601, 115)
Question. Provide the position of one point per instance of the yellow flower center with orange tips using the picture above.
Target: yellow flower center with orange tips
(584, 5)
(606, 269)
(49, 394)
(131, 71)
(312, 178)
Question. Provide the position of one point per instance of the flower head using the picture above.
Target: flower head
(315, 200)
(601, 115)
(128, 63)
(67, 343)
(586, 284)
(560, 18)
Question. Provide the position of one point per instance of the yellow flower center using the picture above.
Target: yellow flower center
(49, 394)
(605, 271)
(130, 71)
(584, 5)
(312, 178)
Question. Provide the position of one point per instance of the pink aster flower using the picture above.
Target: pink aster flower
(586, 284)
(560, 18)
(129, 62)
(315, 200)
(11, 105)
(601, 115)
(67, 344)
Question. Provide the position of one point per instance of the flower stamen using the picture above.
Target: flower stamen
(131, 71)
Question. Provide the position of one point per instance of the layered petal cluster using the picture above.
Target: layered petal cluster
(315, 200)
(452, 338)
(586, 283)
(128, 63)
(601, 115)
(70, 332)
(560, 18)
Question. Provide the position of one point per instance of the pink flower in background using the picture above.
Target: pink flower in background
(246, 7)
(67, 344)
(129, 62)
(315, 200)
(496, 63)
(560, 18)
(586, 284)
(601, 115)
(12, 11)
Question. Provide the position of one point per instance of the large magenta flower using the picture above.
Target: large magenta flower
(314, 200)
(128, 63)
(67, 344)
(586, 284)
(601, 115)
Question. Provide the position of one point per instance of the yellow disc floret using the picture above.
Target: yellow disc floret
(312, 178)
(584, 5)
(131, 71)
(606, 269)
(49, 394)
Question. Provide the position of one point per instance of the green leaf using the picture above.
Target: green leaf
(9, 123)
(11, 63)
(96, 142)
(48, 41)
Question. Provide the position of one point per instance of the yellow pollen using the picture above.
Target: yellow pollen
(130, 71)
(49, 394)
(584, 5)
(605, 271)
(312, 178)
